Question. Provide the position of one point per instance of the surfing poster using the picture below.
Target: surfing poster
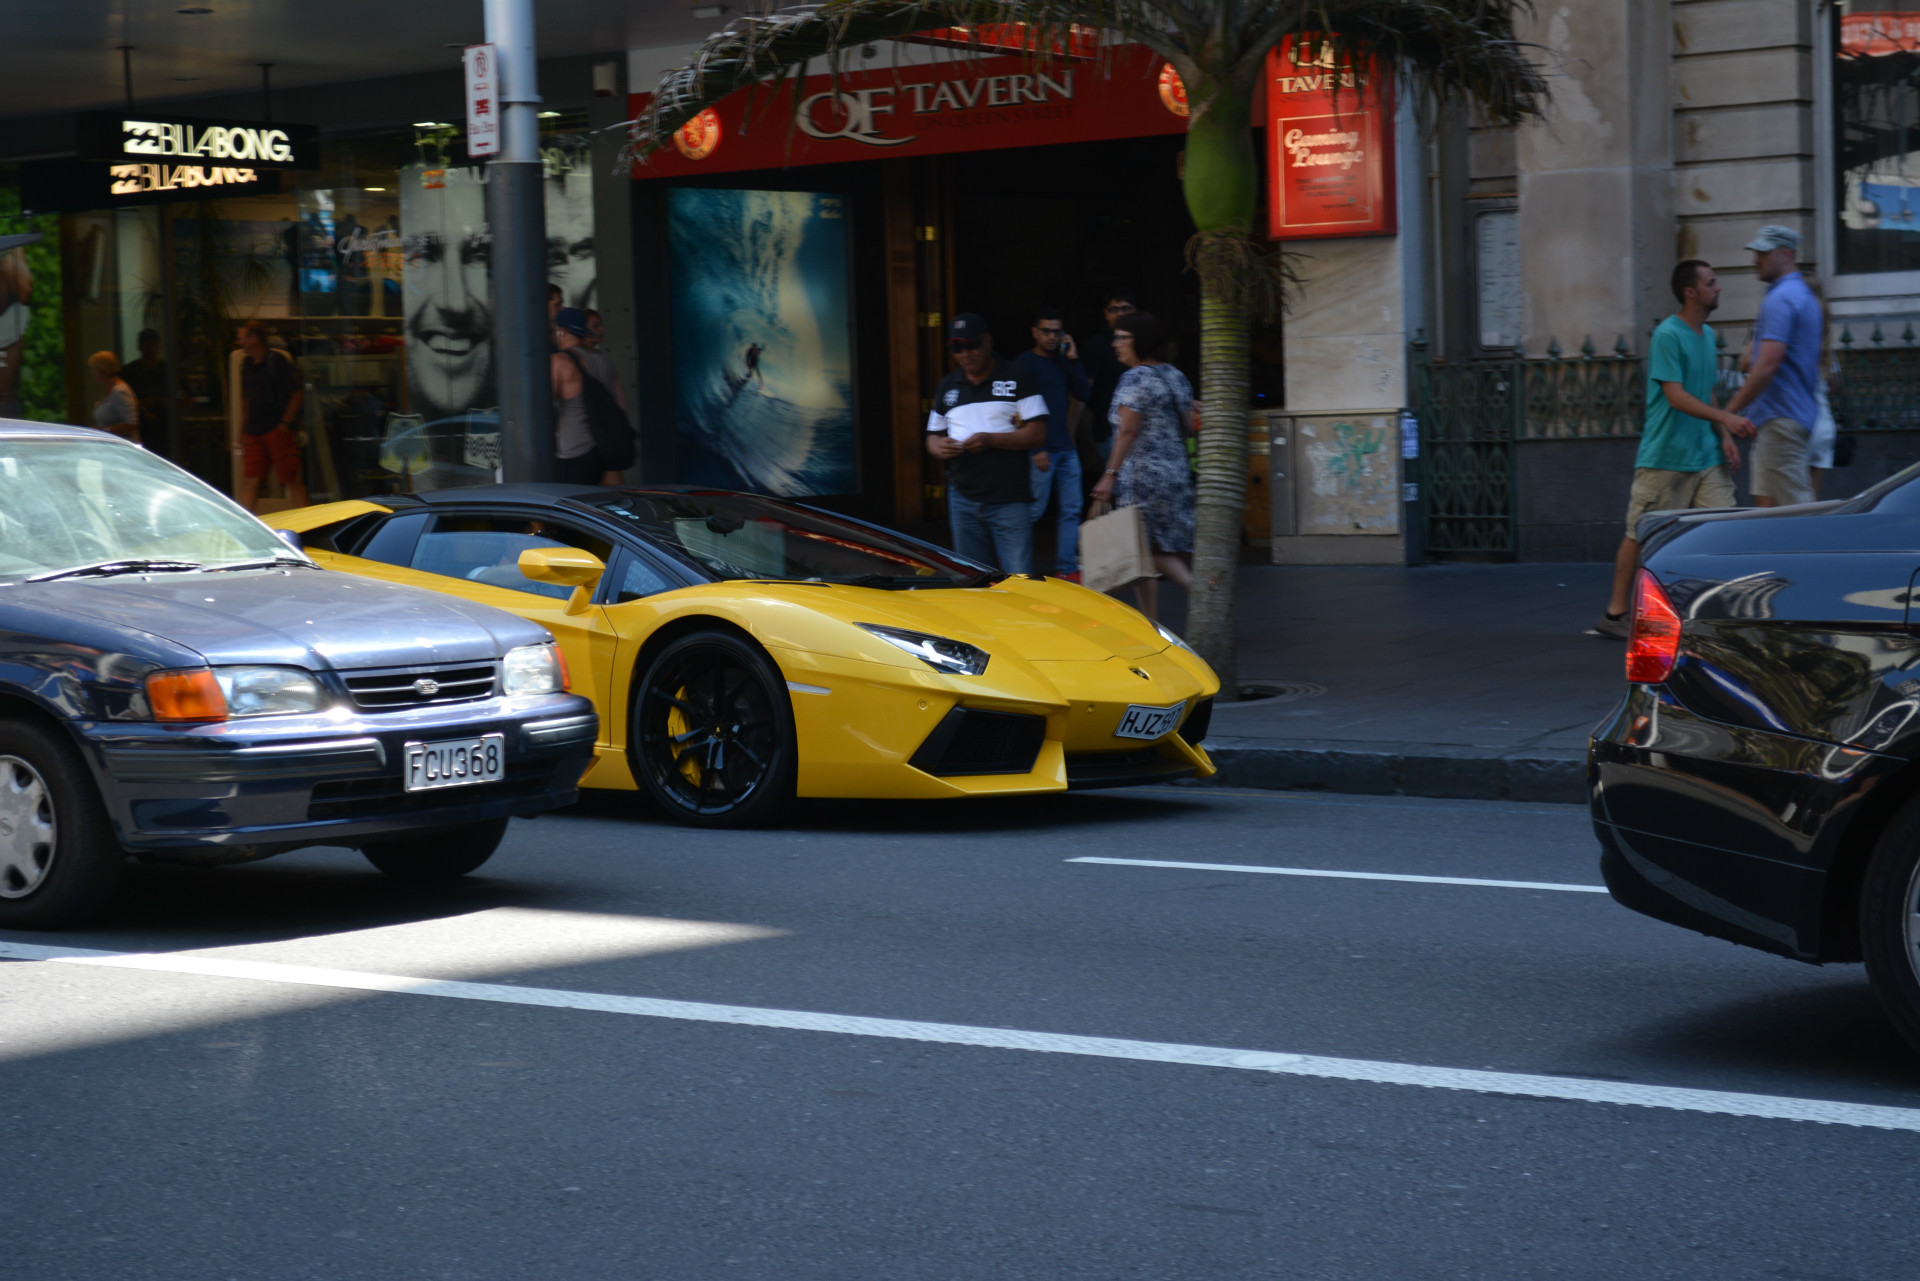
(762, 341)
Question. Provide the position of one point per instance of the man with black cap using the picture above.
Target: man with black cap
(986, 416)
(1782, 387)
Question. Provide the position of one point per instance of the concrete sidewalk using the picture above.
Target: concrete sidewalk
(1452, 680)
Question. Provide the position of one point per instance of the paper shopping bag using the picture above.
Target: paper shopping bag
(1114, 550)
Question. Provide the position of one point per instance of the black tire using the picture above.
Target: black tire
(712, 732)
(1889, 926)
(59, 858)
(438, 854)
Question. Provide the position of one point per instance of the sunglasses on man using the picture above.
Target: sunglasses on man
(964, 344)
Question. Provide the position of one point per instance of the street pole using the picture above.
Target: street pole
(517, 215)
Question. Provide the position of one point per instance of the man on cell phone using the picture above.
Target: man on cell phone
(1053, 363)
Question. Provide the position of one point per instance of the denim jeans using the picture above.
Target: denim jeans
(1062, 478)
(992, 533)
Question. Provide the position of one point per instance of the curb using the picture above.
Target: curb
(1556, 780)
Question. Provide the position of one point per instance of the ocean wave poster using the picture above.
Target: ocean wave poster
(762, 341)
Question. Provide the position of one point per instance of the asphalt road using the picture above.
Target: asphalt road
(238, 1100)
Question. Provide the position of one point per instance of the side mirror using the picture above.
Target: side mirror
(291, 538)
(567, 566)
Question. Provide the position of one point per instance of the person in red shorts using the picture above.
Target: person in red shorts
(271, 393)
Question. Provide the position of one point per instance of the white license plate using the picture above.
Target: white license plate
(456, 762)
(1149, 722)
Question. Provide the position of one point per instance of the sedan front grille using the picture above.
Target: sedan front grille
(395, 689)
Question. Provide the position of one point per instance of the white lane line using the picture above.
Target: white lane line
(1577, 1089)
(1348, 876)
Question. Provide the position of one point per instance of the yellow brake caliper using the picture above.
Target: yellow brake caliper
(676, 726)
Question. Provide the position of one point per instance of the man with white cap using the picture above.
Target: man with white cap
(1781, 388)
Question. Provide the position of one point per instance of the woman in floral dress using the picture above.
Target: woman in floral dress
(1151, 416)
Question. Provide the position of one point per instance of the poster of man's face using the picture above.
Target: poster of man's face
(446, 247)
(445, 287)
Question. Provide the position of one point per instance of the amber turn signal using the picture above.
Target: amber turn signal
(566, 676)
(186, 696)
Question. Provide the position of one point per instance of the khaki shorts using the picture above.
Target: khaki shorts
(1782, 456)
(1655, 490)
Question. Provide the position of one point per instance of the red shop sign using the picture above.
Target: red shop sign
(972, 105)
(1329, 146)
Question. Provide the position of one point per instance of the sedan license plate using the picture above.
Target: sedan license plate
(1149, 722)
(456, 762)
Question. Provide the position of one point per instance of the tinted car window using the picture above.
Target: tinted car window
(72, 502)
(744, 536)
(392, 543)
(638, 579)
(486, 549)
(1899, 492)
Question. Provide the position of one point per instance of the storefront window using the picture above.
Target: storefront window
(1876, 97)
(370, 274)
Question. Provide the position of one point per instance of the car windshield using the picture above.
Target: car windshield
(743, 536)
(68, 503)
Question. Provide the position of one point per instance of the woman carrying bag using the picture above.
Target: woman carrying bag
(1152, 415)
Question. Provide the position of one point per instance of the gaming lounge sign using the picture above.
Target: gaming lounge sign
(135, 157)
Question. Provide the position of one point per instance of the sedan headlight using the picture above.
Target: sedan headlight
(223, 693)
(955, 658)
(534, 669)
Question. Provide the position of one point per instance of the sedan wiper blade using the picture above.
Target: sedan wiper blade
(260, 564)
(108, 568)
(987, 579)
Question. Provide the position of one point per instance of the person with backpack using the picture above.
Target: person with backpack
(592, 438)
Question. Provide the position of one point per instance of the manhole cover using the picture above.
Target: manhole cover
(1276, 692)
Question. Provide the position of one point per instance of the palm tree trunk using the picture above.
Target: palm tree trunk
(1221, 492)
(1219, 182)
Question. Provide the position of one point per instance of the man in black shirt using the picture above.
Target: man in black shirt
(1104, 368)
(271, 392)
(987, 415)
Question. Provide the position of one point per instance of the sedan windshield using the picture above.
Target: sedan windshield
(67, 504)
(743, 536)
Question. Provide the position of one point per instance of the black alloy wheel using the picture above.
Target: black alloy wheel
(59, 858)
(437, 854)
(1890, 921)
(713, 732)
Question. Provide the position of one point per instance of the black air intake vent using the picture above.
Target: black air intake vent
(970, 741)
(1197, 722)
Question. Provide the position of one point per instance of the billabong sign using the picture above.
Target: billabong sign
(123, 137)
(133, 180)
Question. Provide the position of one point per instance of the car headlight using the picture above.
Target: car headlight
(955, 658)
(1172, 637)
(269, 691)
(534, 669)
(222, 693)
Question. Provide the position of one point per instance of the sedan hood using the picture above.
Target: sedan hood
(296, 617)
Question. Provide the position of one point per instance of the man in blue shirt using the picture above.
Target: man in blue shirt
(1053, 363)
(1781, 388)
(1687, 455)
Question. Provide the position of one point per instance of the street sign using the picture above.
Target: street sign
(483, 100)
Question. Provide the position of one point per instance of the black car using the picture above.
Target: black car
(179, 683)
(1760, 780)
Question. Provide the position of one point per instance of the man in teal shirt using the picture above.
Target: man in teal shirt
(1687, 456)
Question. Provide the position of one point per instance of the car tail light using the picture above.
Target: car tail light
(1654, 641)
(186, 696)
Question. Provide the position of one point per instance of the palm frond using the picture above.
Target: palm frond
(1457, 49)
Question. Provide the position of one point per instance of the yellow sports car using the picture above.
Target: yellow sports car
(742, 650)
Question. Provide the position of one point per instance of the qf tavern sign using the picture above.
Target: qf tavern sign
(854, 114)
(146, 138)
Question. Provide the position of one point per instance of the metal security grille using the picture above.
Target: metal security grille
(1468, 420)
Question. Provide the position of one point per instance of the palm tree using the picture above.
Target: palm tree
(1454, 50)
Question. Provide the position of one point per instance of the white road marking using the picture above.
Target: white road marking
(1348, 876)
(1577, 1089)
